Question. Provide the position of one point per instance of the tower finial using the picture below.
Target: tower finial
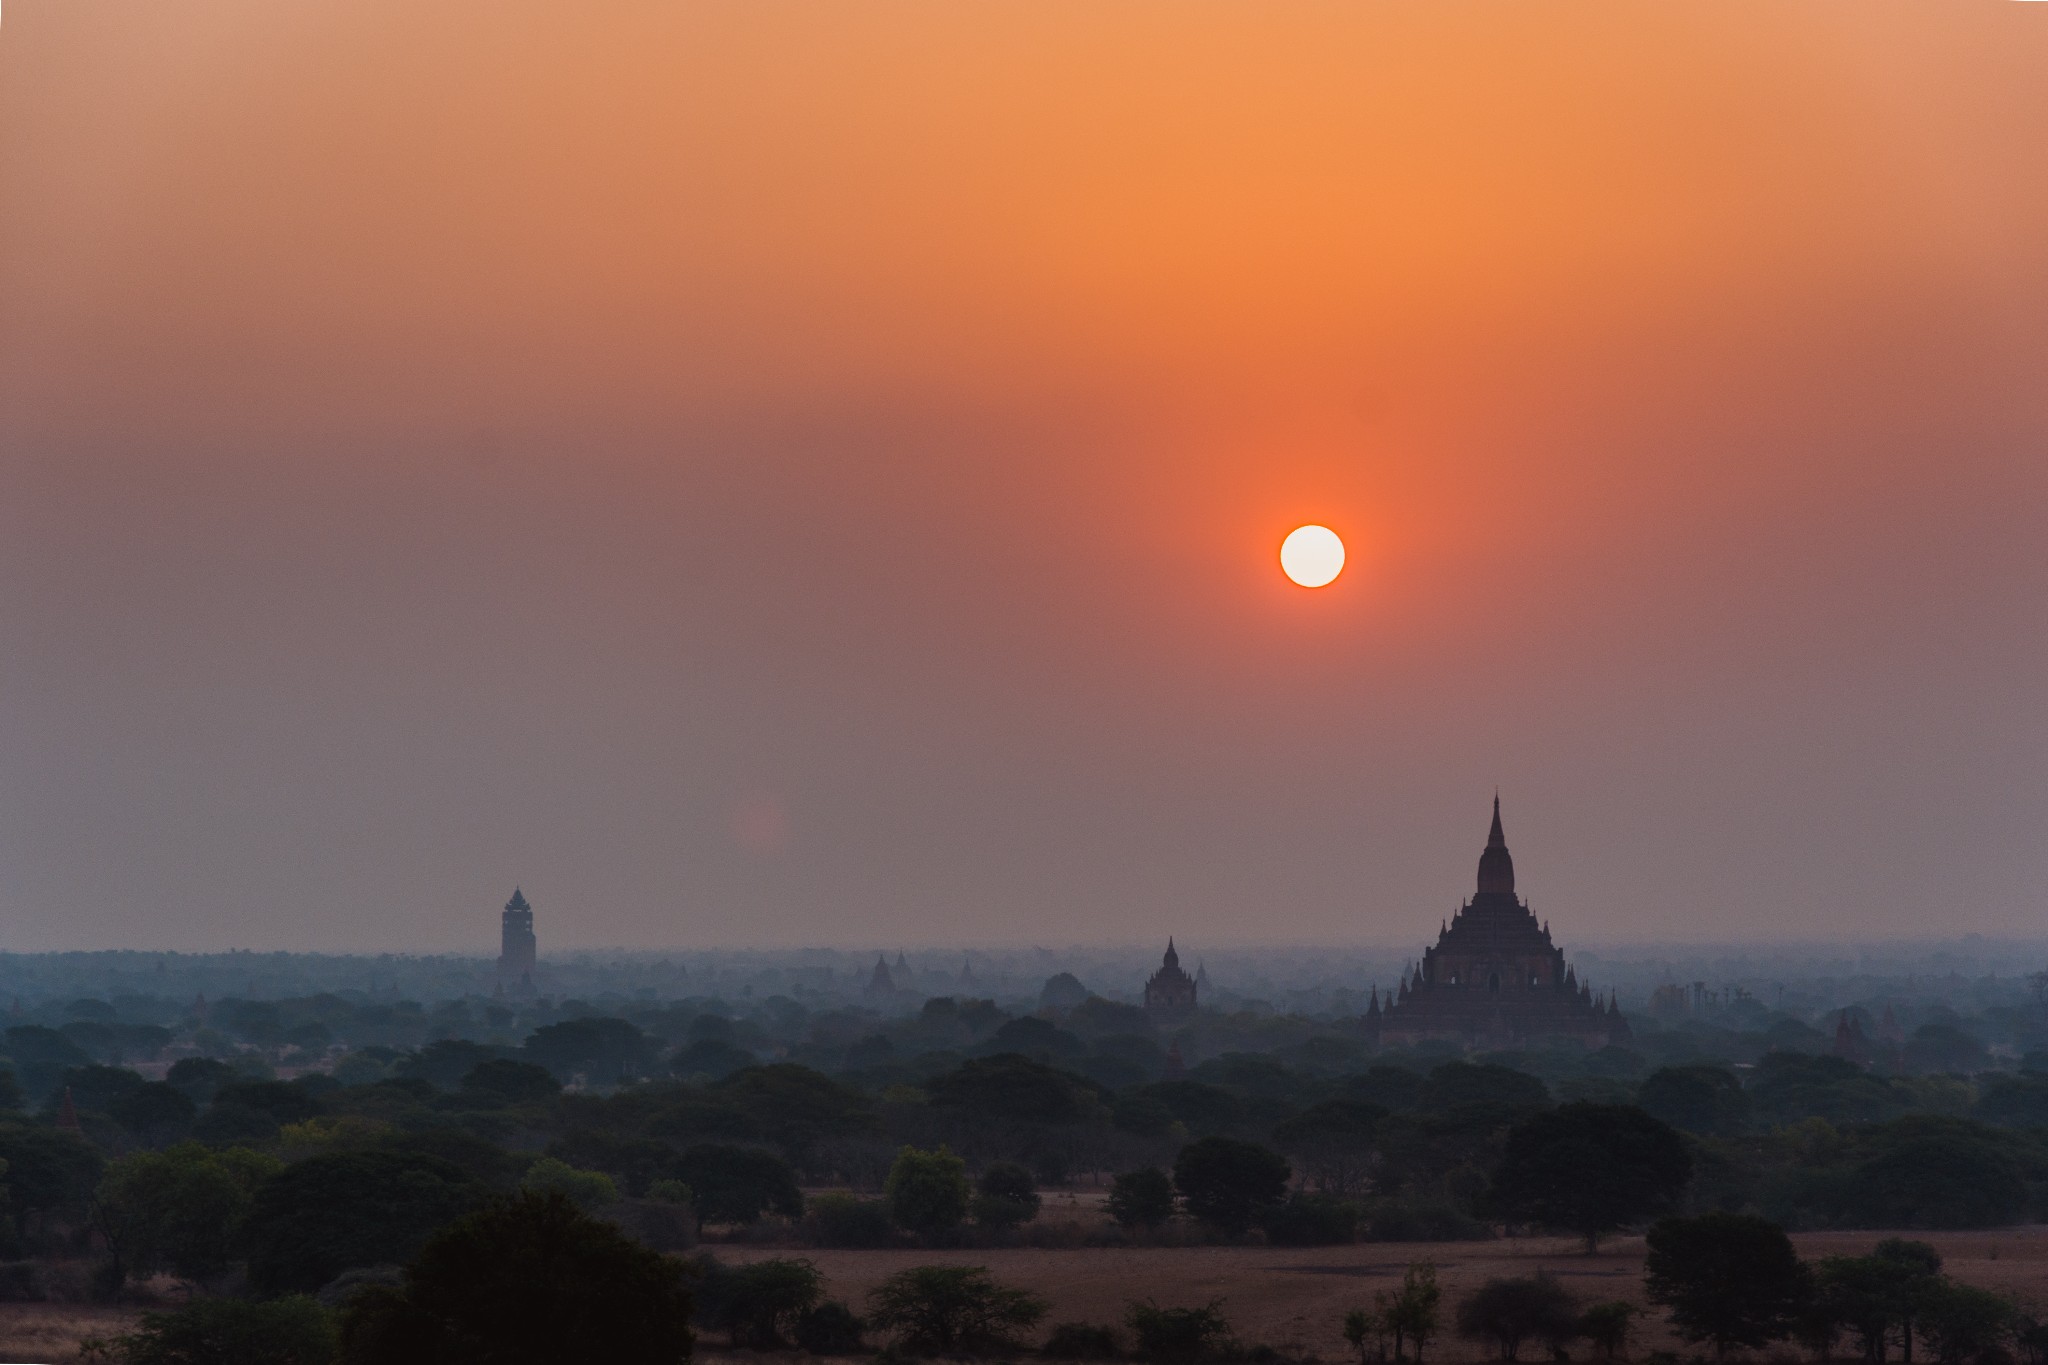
(1494, 837)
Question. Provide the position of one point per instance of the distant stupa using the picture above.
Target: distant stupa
(1494, 977)
(518, 954)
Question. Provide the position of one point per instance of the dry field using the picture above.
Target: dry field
(1291, 1298)
(50, 1332)
(1295, 1298)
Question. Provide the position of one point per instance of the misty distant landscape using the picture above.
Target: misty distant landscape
(778, 681)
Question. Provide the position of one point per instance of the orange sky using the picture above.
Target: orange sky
(767, 472)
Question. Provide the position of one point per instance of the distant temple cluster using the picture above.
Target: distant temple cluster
(1494, 977)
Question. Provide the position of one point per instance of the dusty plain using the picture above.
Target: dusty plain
(1290, 1298)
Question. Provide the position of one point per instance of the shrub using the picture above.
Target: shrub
(1081, 1341)
(1311, 1221)
(526, 1280)
(953, 1309)
(843, 1220)
(830, 1329)
(1509, 1312)
(927, 1191)
(1005, 1197)
(1141, 1199)
(1180, 1336)
(287, 1331)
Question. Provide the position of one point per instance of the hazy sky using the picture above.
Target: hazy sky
(767, 472)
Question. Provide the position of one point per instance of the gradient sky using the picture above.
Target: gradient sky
(767, 473)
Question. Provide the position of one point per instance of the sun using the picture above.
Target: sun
(1312, 556)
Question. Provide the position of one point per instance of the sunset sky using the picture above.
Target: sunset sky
(774, 473)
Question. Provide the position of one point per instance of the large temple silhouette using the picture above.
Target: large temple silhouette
(1494, 977)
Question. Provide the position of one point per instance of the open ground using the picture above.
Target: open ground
(1291, 1298)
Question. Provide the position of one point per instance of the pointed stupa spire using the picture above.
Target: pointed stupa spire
(1496, 868)
(1172, 957)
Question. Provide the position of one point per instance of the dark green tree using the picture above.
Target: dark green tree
(1141, 1199)
(1707, 1100)
(927, 1191)
(504, 1080)
(328, 1214)
(1591, 1168)
(1727, 1278)
(287, 1331)
(1006, 1196)
(153, 1112)
(739, 1184)
(179, 1210)
(1227, 1183)
(528, 1280)
(1009, 1088)
(1961, 1322)
(1508, 1312)
(1180, 1336)
(952, 1310)
(1336, 1144)
(758, 1304)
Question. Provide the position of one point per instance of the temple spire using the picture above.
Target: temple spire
(1496, 868)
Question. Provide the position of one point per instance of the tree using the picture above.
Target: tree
(587, 1190)
(1728, 1278)
(739, 1184)
(797, 1106)
(952, 1310)
(1226, 1183)
(179, 1210)
(1608, 1326)
(1011, 1088)
(1962, 1322)
(283, 1101)
(153, 1111)
(759, 1302)
(1509, 1312)
(1141, 1199)
(605, 1051)
(311, 1221)
(1591, 1168)
(927, 1191)
(1362, 1325)
(1707, 1100)
(501, 1080)
(1920, 1266)
(1180, 1336)
(287, 1331)
(1336, 1142)
(525, 1280)
(1005, 1196)
(48, 1171)
(1412, 1312)
(1876, 1295)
